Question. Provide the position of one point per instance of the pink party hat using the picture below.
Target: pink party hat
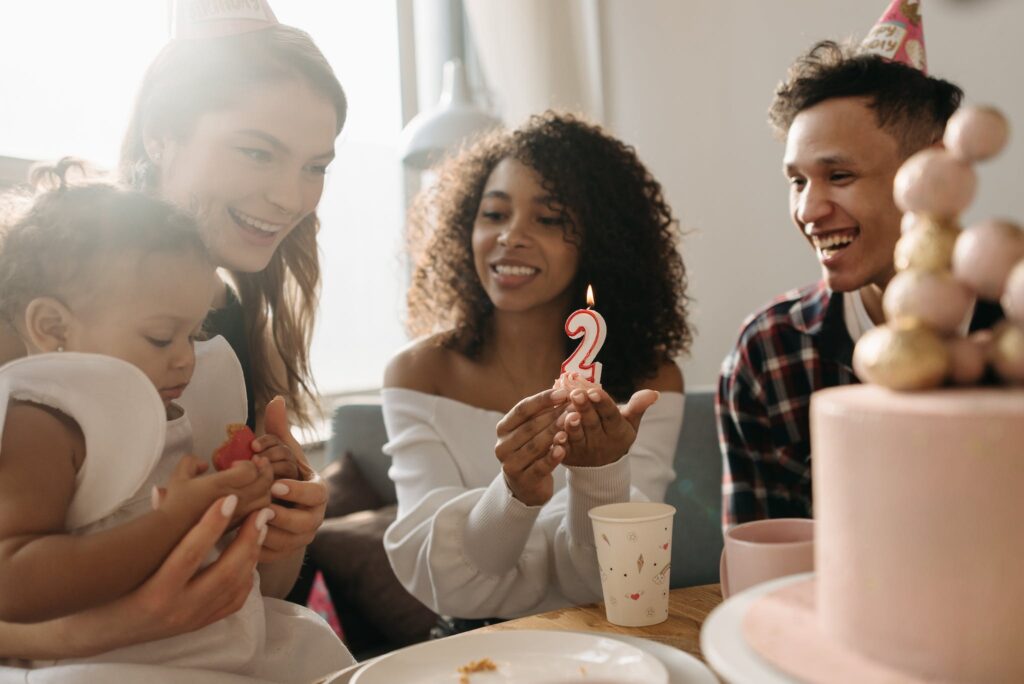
(899, 35)
(214, 18)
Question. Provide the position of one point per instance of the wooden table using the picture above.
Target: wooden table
(687, 609)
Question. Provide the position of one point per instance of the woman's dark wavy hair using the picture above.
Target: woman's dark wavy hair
(627, 236)
(192, 77)
(909, 105)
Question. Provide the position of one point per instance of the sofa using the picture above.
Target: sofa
(376, 612)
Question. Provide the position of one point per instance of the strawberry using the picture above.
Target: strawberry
(235, 448)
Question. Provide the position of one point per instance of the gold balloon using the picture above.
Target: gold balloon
(926, 244)
(917, 219)
(902, 357)
(1007, 352)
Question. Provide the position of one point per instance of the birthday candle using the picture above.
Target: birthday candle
(589, 325)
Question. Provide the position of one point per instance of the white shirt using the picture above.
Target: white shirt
(463, 545)
(855, 315)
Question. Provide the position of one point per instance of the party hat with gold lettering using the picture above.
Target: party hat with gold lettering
(213, 18)
(899, 35)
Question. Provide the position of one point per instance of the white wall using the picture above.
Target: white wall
(361, 212)
(538, 54)
(688, 82)
(69, 74)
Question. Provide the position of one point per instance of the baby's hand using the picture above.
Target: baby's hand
(237, 446)
(190, 492)
(283, 462)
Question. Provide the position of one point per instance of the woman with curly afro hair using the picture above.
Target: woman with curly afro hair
(505, 243)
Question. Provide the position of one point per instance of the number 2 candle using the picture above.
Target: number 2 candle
(589, 325)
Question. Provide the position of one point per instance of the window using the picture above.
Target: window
(363, 208)
(70, 70)
(69, 74)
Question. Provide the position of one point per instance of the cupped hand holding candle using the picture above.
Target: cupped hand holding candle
(594, 431)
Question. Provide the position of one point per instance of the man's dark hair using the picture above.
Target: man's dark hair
(909, 105)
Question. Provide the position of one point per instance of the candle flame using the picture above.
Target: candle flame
(590, 295)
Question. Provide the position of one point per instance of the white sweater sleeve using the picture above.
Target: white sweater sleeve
(479, 552)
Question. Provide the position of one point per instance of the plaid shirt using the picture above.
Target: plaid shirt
(797, 345)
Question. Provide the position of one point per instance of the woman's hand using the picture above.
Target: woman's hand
(299, 505)
(293, 526)
(596, 432)
(525, 446)
(179, 597)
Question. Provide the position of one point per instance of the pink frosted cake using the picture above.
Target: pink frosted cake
(919, 556)
(919, 552)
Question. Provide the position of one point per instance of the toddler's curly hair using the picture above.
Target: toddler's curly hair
(57, 240)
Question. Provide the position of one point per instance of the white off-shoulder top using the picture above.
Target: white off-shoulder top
(463, 545)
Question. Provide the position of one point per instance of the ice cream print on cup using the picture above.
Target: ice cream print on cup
(634, 542)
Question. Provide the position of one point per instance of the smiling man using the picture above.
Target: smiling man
(849, 119)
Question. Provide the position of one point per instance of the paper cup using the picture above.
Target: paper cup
(634, 550)
(763, 550)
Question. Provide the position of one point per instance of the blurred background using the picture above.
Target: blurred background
(687, 82)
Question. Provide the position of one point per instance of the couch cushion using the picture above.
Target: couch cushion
(697, 495)
(347, 489)
(358, 429)
(349, 551)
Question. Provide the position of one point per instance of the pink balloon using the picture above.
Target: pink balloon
(934, 298)
(984, 255)
(933, 181)
(983, 338)
(967, 357)
(976, 133)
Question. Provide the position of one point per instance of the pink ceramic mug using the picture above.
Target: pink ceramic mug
(762, 550)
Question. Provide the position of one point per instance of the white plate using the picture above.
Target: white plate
(724, 646)
(682, 667)
(522, 656)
